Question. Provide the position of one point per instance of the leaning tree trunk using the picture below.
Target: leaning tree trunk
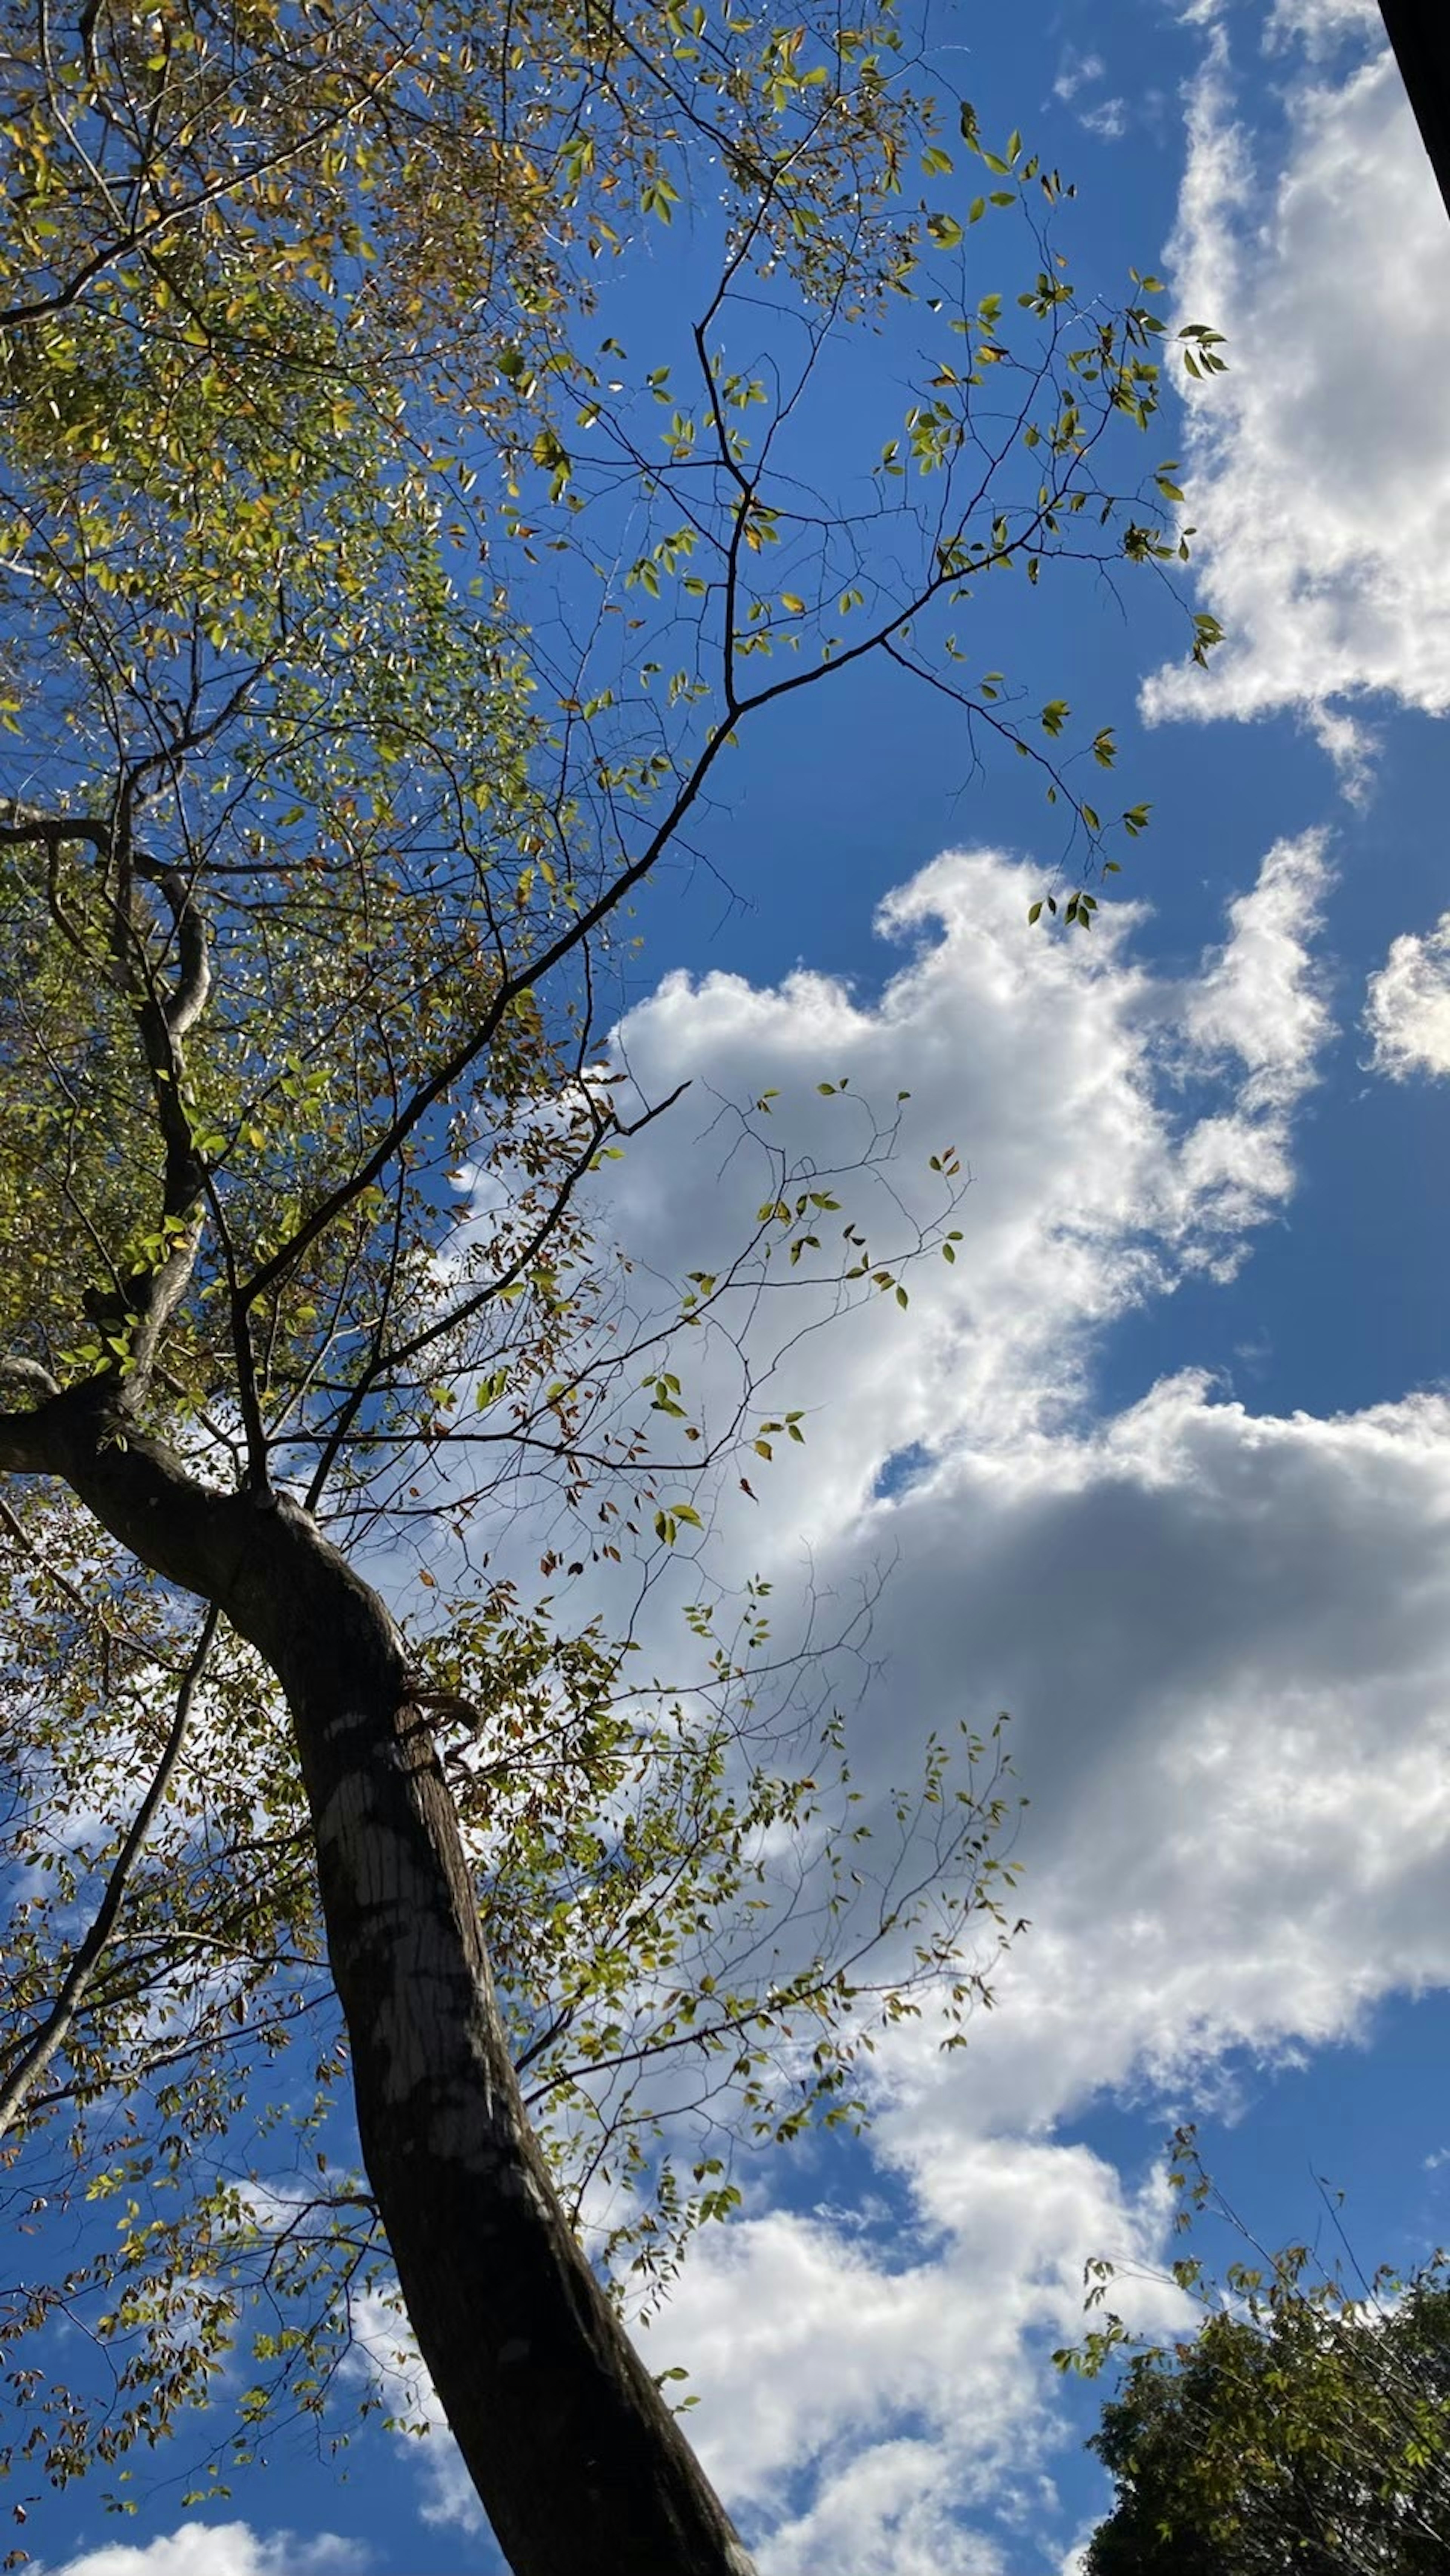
(1419, 31)
(581, 2466)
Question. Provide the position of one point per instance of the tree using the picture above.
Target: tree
(1302, 2428)
(367, 641)
(1421, 40)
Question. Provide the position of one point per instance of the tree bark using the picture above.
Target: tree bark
(1419, 31)
(581, 2466)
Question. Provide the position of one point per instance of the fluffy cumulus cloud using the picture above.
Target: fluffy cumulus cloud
(1407, 1009)
(1225, 1643)
(867, 2411)
(1235, 1745)
(1223, 1637)
(1119, 1130)
(1320, 472)
(219, 2549)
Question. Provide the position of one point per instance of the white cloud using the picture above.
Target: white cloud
(1407, 1011)
(383, 2351)
(1256, 1001)
(1224, 1638)
(810, 2347)
(1321, 25)
(1226, 1643)
(1125, 1129)
(1109, 119)
(1320, 474)
(219, 2549)
(1122, 1131)
(1234, 1728)
(893, 2511)
(1078, 71)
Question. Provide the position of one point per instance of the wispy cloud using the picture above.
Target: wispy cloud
(1078, 71)
(1109, 119)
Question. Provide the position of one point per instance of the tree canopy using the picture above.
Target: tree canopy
(372, 620)
(1303, 2430)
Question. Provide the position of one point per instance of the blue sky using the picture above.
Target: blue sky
(1173, 1478)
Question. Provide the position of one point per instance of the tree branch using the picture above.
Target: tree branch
(39, 2050)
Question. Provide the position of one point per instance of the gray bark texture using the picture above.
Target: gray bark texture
(580, 2464)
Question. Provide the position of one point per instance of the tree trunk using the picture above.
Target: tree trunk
(1419, 31)
(581, 2466)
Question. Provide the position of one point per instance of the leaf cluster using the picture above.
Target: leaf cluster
(1303, 2430)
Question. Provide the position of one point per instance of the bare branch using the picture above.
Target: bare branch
(37, 2052)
